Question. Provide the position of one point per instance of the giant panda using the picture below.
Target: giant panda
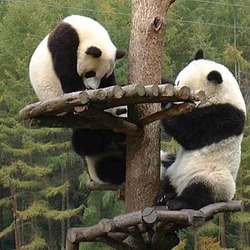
(210, 136)
(77, 55)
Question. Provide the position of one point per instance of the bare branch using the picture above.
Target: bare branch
(165, 113)
(97, 186)
(158, 218)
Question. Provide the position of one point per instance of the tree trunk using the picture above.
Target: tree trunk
(14, 213)
(63, 208)
(145, 67)
(1, 227)
(222, 231)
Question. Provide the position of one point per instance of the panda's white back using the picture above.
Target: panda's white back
(42, 75)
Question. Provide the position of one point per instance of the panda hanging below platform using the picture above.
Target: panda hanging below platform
(210, 136)
(77, 55)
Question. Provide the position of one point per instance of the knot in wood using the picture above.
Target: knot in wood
(157, 23)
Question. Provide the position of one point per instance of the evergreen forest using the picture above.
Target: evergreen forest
(42, 182)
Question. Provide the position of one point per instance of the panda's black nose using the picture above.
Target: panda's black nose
(90, 74)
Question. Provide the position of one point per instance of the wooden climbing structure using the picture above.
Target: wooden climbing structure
(151, 227)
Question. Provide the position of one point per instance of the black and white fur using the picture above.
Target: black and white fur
(104, 152)
(208, 160)
(77, 55)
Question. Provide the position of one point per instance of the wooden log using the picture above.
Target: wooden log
(115, 231)
(97, 186)
(199, 95)
(182, 93)
(168, 216)
(86, 120)
(197, 217)
(107, 98)
(92, 118)
(209, 211)
(116, 92)
(90, 233)
(66, 121)
(167, 90)
(113, 122)
(128, 220)
(152, 90)
(64, 103)
(118, 235)
(166, 113)
(149, 215)
(72, 246)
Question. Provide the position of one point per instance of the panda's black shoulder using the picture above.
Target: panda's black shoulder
(205, 126)
(64, 36)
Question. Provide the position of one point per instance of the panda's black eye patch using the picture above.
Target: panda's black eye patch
(90, 74)
(215, 76)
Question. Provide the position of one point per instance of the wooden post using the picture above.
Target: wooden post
(145, 67)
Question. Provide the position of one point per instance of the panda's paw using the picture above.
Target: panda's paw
(161, 200)
(177, 204)
(164, 197)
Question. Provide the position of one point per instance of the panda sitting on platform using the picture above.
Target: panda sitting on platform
(210, 136)
(77, 55)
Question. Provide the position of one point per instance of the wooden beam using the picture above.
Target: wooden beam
(108, 98)
(116, 230)
(166, 113)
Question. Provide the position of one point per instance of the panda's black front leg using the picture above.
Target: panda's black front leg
(167, 192)
(177, 204)
(91, 142)
(195, 196)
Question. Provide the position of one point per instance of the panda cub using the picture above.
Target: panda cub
(77, 55)
(210, 136)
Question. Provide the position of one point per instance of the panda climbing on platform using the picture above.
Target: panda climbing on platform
(206, 165)
(77, 55)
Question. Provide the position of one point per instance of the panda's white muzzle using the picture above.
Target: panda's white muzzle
(92, 82)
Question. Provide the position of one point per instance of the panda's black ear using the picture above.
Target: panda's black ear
(94, 51)
(215, 77)
(199, 55)
(120, 53)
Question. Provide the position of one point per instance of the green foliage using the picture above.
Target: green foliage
(233, 55)
(101, 205)
(59, 190)
(37, 243)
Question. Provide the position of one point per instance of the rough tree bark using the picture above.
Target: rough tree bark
(145, 67)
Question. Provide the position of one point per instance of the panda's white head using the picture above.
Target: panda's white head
(214, 79)
(96, 54)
